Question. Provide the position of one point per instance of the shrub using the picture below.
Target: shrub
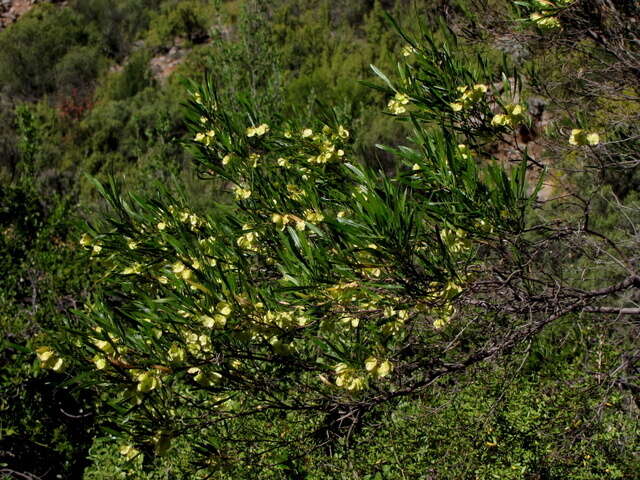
(324, 291)
(31, 48)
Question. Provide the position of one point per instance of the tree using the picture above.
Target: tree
(324, 289)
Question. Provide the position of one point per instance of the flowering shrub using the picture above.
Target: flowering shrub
(321, 288)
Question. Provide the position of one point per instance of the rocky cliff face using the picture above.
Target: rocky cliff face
(11, 10)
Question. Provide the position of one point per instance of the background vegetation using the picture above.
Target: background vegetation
(98, 88)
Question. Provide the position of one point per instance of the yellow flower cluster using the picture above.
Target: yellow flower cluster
(198, 343)
(514, 116)
(397, 104)
(286, 320)
(258, 131)
(241, 193)
(203, 378)
(295, 193)
(408, 50)
(282, 221)
(148, 381)
(313, 216)
(396, 321)
(327, 142)
(254, 158)
(134, 269)
(545, 19)
(205, 137)
(129, 452)
(377, 368)
(176, 353)
(580, 137)
(545, 22)
(219, 318)
(468, 96)
(87, 242)
(347, 378)
(248, 241)
(181, 270)
(50, 359)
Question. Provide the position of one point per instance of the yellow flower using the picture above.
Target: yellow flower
(161, 226)
(147, 381)
(178, 267)
(514, 110)
(295, 193)
(217, 321)
(257, 131)
(313, 216)
(480, 88)
(464, 151)
(227, 159)
(85, 240)
(580, 137)
(593, 139)
(262, 129)
(384, 369)
(456, 106)
(129, 451)
(501, 119)
(545, 22)
(105, 346)
(224, 308)
(343, 132)
(176, 353)
(307, 132)
(248, 241)
(376, 368)
(408, 50)
(45, 354)
(356, 383)
(253, 158)
(100, 362)
(199, 376)
(241, 193)
(401, 98)
(370, 363)
(396, 104)
(283, 162)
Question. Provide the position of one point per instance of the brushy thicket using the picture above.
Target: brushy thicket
(460, 303)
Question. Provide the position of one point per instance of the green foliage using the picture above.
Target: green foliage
(41, 418)
(115, 24)
(31, 48)
(134, 77)
(318, 305)
(189, 20)
(321, 262)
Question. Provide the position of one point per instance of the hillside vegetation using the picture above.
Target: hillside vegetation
(382, 239)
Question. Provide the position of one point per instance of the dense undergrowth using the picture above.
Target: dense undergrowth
(80, 101)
